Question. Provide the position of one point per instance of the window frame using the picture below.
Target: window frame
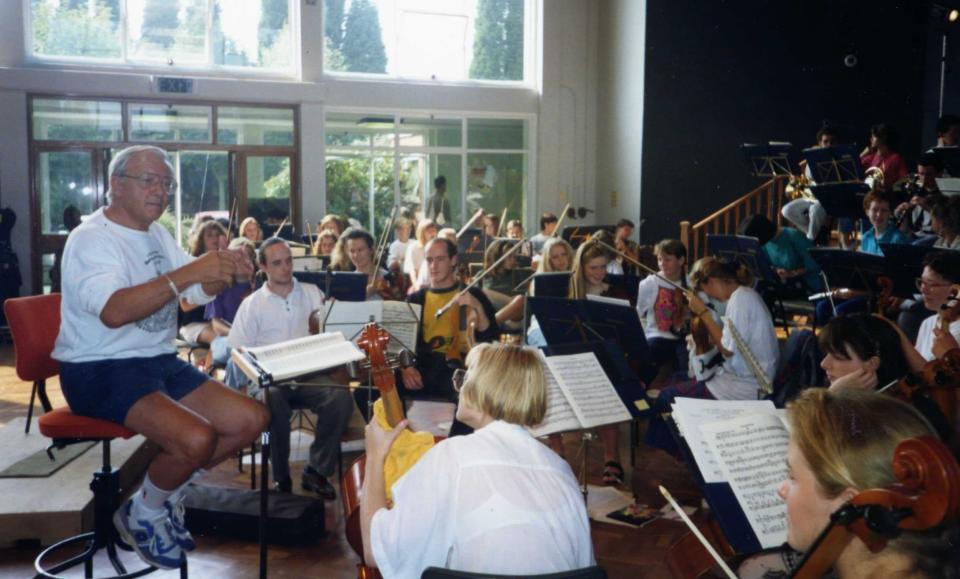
(126, 64)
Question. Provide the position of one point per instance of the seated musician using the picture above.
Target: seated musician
(914, 215)
(500, 279)
(493, 502)
(662, 309)
(805, 213)
(623, 243)
(359, 246)
(437, 337)
(882, 154)
(123, 274)
(413, 261)
(332, 223)
(514, 229)
(250, 229)
(491, 225)
(548, 223)
(398, 247)
(842, 443)
(326, 242)
(948, 131)
(787, 250)
(210, 236)
(945, 221)
(736, 378)
(556, 256)
(281, 310)
(222, 310)
(877, 205)
(339, 257)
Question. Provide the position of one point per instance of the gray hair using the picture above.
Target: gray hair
(118, 165)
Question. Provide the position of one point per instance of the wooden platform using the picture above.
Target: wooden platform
(47, 509)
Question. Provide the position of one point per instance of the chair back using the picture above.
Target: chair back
(34, 324)
(595, 572)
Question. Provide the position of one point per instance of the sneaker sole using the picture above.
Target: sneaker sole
(118, 518)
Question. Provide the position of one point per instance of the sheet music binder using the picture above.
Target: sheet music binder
(348, 286)
(566, 321)
(724, 504)
(770, 160)
(614, 364)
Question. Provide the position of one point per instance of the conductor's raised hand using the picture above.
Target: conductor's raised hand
(215, 271)
(379, 440)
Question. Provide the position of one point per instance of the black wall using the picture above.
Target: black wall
(721, 73)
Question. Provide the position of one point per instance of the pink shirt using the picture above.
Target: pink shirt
(893, 166)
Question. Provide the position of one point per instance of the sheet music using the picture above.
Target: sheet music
(301, 356)
(399, 319)
(752, 452)
(588, 389)
(689, 413)
(560, 416)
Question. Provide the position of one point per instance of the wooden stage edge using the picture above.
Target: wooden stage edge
(48, 509)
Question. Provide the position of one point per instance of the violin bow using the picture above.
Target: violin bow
(233, 210)
(649, 270)
(384, 236)
(696, 533)
(556, 230)
(473, 220)
(479, 277)
(310, 238)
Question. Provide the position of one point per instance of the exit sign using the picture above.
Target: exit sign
(170, 84)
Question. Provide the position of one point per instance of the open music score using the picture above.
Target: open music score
(400, 319)
(266, 365)
(579, 395)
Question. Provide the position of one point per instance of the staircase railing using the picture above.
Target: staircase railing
(767, 199)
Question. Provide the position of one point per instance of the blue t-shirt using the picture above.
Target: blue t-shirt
(870, 244)
(788, 250)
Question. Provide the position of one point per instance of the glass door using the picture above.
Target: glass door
(266, 189)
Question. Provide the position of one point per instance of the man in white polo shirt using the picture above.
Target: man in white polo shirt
(280, 311)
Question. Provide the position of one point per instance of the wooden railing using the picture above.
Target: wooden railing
(767, 199)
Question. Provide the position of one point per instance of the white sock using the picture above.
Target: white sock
(150, 498)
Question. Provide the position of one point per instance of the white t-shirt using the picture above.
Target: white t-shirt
(415, 257)
(655, 299)
(496, 501)
(925, 336)
(749, 314)
(265, 318)
(397, 252)
(100, 258)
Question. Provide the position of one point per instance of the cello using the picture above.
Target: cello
(373, 340)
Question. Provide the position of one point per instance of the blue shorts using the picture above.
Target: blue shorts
(107, 389)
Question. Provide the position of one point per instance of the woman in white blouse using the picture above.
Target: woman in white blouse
(496, 501)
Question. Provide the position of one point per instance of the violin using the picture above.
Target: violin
(465, 338)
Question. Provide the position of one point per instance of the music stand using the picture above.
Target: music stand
(566, 321)
(841, 199)
(348, 286)
(629, 283)
(853, 270)
(745, 251)
(904, 264)
(770, 160)
(311, 263)
(840, 164)
(555, 284)
(285, 233)
(577, 234)
(471, 245)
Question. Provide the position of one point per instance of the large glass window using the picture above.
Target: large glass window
(484, 40)
(255, 126)
(171, 123)
(64, 179)
(374, 161)
(253, 34)
(76, 120)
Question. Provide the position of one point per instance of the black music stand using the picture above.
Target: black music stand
(904, 264)
(840, 164)
(770, 160)
(472, 244)
(347, 286)
(841, 199)
(629, 283)
(555, 284)
(566, 321)
(285, 233)
(853, 270)
(745, 251)
(577, 234)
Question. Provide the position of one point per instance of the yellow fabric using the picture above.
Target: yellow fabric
(405, 452)
(438, 333)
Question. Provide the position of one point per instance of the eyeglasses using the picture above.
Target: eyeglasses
(920, 282)
(152, 180)
(459, 375)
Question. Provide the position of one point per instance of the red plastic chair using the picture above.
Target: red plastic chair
(34, 324)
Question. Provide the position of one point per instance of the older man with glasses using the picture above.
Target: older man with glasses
(123, 275)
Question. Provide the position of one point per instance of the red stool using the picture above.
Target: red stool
(34, 324)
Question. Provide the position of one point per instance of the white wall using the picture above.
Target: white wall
(620, 111)
(564, 144)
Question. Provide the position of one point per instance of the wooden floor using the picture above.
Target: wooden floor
(622, 551)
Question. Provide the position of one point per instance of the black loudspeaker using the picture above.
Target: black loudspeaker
(293, 520)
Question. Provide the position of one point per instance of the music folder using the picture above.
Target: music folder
(554, 284)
